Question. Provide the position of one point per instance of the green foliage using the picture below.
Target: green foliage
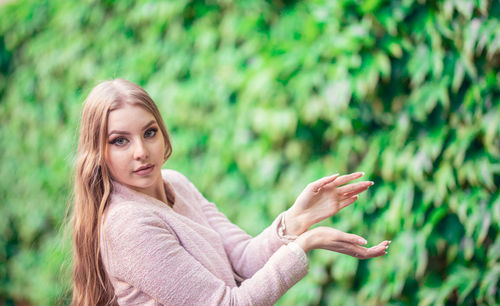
(261, 98)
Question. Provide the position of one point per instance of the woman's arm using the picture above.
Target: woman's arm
(319, 200)
(143, 252)
(247, 254)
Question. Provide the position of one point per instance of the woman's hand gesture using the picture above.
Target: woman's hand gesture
(322, 199)
(334, 240)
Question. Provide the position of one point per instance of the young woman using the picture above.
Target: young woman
(143, 235)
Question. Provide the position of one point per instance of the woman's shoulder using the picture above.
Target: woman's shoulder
(174, 177)
(179, 181)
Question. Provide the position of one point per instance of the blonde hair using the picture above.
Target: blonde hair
(91, 285)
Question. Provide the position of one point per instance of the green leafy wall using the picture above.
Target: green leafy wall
(261, 98)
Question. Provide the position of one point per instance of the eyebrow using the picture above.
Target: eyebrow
(127, 133)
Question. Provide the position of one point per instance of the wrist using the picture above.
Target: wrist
(294, 224)
(304, 241)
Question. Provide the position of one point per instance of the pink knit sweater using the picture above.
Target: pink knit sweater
(191, 254)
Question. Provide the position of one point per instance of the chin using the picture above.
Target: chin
(147, 181)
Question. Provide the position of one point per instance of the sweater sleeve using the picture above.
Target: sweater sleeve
(247, 254)
(144, 252)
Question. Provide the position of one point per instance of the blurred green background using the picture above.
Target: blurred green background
(261, 98)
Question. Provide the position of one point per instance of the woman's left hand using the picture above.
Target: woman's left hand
(322, 199)
(328, 238)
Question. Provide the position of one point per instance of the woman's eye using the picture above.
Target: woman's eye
(119, 141)
(150, 133)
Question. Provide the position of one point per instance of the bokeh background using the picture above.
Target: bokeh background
(261, 98)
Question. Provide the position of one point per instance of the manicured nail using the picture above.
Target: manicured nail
(385, 252)
(372, 183)
(362, 173)
(362, 241)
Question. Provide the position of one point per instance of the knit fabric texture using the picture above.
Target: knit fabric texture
(191, 254)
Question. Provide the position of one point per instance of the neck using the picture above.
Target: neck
(156, 191)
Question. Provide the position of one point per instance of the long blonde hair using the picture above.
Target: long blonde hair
(91, 285)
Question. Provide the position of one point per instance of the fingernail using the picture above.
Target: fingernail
(385, 252)
(362, 241)
(372, 183)
(362, 173)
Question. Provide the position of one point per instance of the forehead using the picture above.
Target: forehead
(129, 117)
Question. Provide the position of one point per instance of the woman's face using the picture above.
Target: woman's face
(135, 149)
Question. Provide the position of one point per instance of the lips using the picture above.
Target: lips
(144, 170)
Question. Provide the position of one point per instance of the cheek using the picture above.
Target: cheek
(158, 147)
(163, 149)
(116, 161)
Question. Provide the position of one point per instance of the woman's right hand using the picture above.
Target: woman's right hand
(328, 238)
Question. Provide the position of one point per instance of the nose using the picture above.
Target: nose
(140, 150)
